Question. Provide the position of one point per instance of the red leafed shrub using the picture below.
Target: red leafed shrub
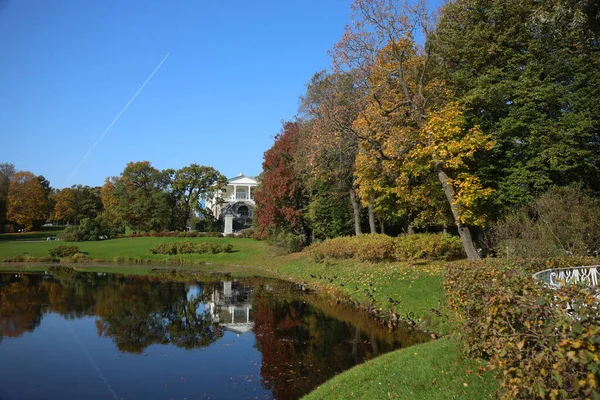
(523, 328)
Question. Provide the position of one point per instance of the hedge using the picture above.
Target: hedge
(190, 248)
(64, 251)
(380, 248)
(538, 348)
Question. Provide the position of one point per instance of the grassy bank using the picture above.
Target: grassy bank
(428, 371)
(409, 292)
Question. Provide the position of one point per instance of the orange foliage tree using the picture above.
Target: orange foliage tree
(27, 200)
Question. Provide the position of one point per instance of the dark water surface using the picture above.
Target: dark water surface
(78, 335)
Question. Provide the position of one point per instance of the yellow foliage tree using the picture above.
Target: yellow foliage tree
(414, 148)
(27, 200)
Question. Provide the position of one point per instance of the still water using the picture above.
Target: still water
(75, 335)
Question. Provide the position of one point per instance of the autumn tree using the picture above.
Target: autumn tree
(6, 172)
(281, 198)
(406, 115)
(27, 200)
(329, 144)
(73, 204)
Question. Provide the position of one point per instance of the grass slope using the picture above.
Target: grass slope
(429, 371)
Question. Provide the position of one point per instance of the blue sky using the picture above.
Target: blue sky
(235, 70)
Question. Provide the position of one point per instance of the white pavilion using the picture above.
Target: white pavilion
(235, 204)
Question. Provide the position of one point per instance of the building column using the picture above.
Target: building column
(235, 192)
(249, 197)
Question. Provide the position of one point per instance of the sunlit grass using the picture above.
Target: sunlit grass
(429, 371)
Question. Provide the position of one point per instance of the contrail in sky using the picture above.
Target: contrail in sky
(116, 119)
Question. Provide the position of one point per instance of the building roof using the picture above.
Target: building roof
(241, 178)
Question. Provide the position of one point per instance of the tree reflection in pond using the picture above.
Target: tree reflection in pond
(303, 339)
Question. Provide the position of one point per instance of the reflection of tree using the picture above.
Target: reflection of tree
(134, 312)
(20, 305)
(151, 312)
(302, 347)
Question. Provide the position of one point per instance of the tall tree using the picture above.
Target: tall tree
(27, 200)
(73, 204)
(193, 183)
(528, 73)
(329, 144)
(281, 197)
(142, 197)
(6, 172)
(405, 91)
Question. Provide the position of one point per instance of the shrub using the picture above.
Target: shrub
(427, 246)
(190, 248)
(563, 221)
(64, 251)
(339, 248)
(374, 248)
(538, 349)
(286, 242)
(70, 234)
(380, 248)
(213, 234)
(247, 233)
(101, 227)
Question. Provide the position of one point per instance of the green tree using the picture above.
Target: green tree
(190, 185)
(142, 198)
(528, 73)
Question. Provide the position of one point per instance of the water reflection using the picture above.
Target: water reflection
(291, 341)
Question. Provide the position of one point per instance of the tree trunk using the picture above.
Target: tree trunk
(382, 225)
(372, 226)
(463, 231)
(356, 209)
(411, 229)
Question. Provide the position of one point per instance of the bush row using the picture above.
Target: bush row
(536, 346)
(190, 248)
(175, 234)
(64, 251)
(379, 248)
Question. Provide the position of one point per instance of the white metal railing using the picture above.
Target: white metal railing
(584, 275)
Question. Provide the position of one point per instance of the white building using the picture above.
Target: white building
(235, 204)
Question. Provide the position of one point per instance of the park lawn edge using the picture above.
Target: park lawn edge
(417, 286)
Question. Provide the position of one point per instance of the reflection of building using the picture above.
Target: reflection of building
(235, 204)
(231, 307)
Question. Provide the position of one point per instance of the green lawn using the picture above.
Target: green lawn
(42, 234)
(429, 371)
(410, 290)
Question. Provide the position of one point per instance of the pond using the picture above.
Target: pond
(68, 334)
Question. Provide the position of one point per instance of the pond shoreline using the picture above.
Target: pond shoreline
(415, 290)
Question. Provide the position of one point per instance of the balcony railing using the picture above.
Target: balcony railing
(240, 197)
